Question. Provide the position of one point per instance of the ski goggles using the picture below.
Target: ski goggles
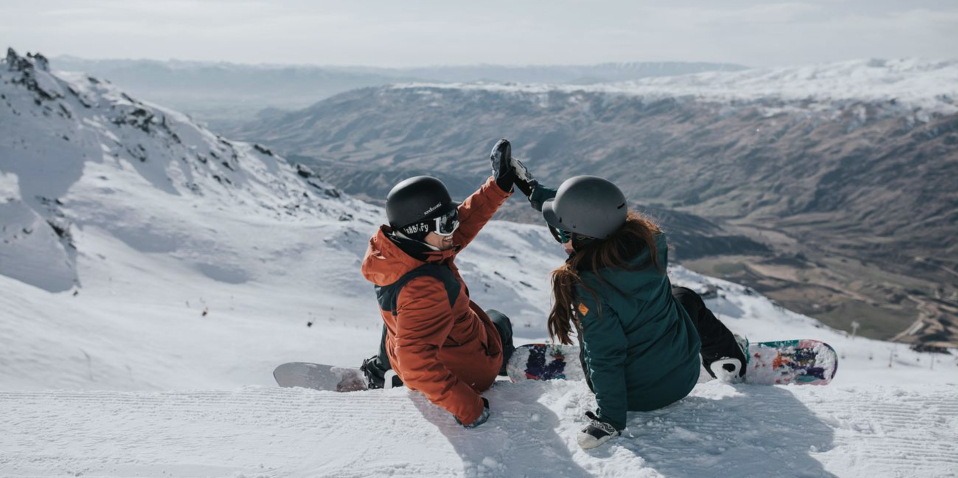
(444, 225)
(560, 236)
(447, 223)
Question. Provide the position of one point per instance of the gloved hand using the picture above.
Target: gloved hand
(596, 433)
(502, 170)
(482, 417)
(524, 180)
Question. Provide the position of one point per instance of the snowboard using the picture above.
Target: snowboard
(320, 377)
(802, 362)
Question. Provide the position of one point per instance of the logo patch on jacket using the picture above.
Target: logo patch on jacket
(583, 309)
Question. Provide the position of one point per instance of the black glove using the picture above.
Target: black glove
(502, 170)
(482, 417)
(596, 432)
(524, 180)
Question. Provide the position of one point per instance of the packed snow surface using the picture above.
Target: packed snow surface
(143, 313)
(866, 430)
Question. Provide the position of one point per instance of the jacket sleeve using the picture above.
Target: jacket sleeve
(424, 322)
(605, 349)
(540, 195)
(477, 210)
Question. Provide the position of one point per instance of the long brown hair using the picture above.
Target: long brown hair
(615, 251)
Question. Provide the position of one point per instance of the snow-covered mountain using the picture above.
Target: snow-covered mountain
(152, 274)
(129, 219)
(71, 140)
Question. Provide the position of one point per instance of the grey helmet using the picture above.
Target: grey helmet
(587, 205)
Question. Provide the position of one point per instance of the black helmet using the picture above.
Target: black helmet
(587, 205)
(416, 199)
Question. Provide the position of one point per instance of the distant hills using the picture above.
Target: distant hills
(225, 93)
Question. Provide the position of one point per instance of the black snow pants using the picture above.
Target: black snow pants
(375, 367)
(717, 340)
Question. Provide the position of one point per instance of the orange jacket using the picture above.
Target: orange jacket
(438, 341)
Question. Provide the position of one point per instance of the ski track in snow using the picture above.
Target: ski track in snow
(270, 432)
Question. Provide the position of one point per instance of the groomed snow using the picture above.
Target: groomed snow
(720, 429)
(156, 358)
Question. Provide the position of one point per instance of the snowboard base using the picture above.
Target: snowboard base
(802, 362)
(320, 377)
(545, 362)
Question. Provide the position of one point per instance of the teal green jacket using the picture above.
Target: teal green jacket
(639, 345)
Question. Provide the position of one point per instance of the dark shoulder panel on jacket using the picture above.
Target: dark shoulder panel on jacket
(388, 296)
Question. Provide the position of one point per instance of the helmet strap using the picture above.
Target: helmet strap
(420, 241)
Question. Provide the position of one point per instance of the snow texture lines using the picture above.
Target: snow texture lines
(864, 431)
(878, 429)
(724, 427)
(270, 432)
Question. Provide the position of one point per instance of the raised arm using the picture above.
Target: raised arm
(540, 195)
(479, 208)
(536, 193)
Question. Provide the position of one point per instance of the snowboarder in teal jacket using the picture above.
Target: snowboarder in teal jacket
(640, 344)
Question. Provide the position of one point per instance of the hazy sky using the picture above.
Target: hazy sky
(416, 33)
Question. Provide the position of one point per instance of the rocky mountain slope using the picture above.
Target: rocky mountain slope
(845, 170)
(68, 133)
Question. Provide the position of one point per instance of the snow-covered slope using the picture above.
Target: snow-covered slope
(144, 304)
(888, 413)
(76, 151)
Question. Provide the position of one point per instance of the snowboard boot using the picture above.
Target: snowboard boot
(596, 433)
(378, 376)
(732, 368)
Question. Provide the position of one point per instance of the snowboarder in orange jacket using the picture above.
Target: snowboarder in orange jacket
(436, 339)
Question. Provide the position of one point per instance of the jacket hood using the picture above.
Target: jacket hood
(385, 262)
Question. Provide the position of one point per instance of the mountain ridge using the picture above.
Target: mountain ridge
(209, 90)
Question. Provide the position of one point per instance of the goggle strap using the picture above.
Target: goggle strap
(559, 235)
